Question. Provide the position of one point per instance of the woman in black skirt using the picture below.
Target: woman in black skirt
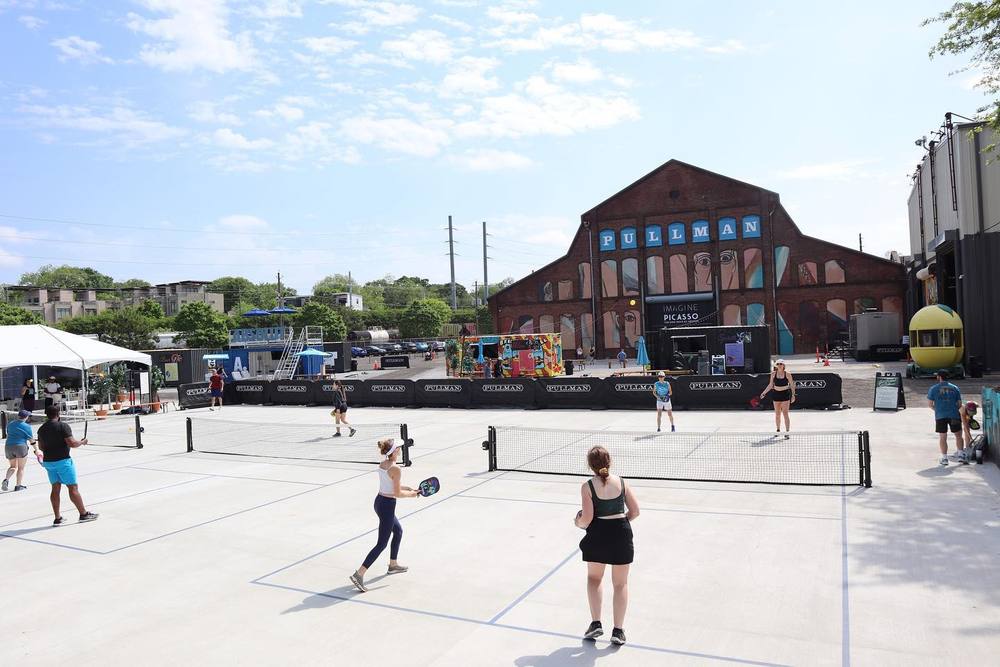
(609, 507)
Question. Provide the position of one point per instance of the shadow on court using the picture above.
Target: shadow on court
(333, 597)
(583, 655)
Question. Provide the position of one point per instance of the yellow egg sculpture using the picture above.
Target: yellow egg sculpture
(937, 339)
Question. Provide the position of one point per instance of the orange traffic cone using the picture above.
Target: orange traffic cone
(826, 361)
(817, 354)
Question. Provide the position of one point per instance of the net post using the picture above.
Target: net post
(404, 436)
(190, 436)
(3, 423)
(138, 433)
(867, 458)
(490, 445)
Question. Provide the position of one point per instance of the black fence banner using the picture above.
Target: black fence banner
(356, 392)
(289, 392)
(250, 392)
(395, 361)
(513, 392)
(392, 393)
(194, 395)
(817, 390)
(450, 393)
(572, 392)
(623, 393)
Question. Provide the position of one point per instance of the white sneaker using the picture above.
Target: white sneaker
(963, 456)
(943, 461)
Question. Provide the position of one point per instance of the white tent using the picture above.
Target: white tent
(38, 345)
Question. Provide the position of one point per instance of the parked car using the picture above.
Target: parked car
(409, 346)
(359, 352)
(374, 351)
(422, 347)
(437, 346)
(394, 347)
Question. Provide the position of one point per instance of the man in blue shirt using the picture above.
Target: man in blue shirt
(622, 357)
(19, 436)
(945, 398)
(661, 390)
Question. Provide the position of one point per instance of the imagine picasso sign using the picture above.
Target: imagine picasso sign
(677, 233)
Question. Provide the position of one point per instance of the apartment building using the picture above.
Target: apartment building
(56, 304)
(174, 296)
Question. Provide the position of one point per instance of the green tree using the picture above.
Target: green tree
(422, 319)
(442, 308)
(16, 315)
(68, 277)
(404, 291)
(200, 326)
(85, 324)
(329, 285)
(151, 309)
(317, 314)
(267, 294)
(132, 283)
(973, 28)
(128, 327)
(235, 289)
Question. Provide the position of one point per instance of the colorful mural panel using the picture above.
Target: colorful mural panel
(755, 314)
(609, 278)
(565, 290)
(833, 271)
(526, 324)
(654, 274)
(729, 272)
(753, 268)
(567, 330)
(731, 315)
(702, 272)
(836, 320)
(630, 276)
(587, 332)
(546, 291)
(546, 324)
(781, 253)
(786, 338)
(633, 327)
(678, 274)
(583, 270)
(807, 274)
(612, 331)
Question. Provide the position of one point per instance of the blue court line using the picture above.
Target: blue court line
(537, 631)
(663, 509)
(520, 598)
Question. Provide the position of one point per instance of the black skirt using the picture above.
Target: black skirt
(608, 541)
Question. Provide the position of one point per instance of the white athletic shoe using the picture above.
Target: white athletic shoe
(943, 461)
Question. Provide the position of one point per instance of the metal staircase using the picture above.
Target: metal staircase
(288, 363)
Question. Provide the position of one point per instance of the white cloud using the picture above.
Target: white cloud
(226, 138)
(242, 221)
(313, 142)
(82, 50)
(399, 135)
(509, 15)
(122, 124)
(328, 46)
(469, 76)
(385, 14)
(487, 159)
(423, 45)
(283, 111)
(582, 71)
(194, 34)
(31, 22)
(276, 9)
(840, 170)
(541, 107)
(207, 112)
(452, 22)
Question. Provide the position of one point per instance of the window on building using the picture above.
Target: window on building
(781, 254)
(755, 314)
(630, 276)
(833, 272)
(584, 272)
(612, 331)
(506, 324)
(862, 304)
(90, 311)
(678, 274)
(729, 272)
(526, 324)
(565, 290)
(702, 272)
(654, 274)
(753, 268)
(807, 273)
(63, 312)
(545, 291)
(587, 332)
(731, 315)
(633, 327)
(567, 331)
(836, 320)
(546, 324)
(609, 278)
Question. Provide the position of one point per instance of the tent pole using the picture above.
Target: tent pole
(34, 375)
(83, 389)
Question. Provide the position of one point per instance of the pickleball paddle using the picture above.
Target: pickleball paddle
(429, 487)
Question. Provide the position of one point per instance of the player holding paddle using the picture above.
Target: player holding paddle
(661, 390)
(339, 412)
(389, 488)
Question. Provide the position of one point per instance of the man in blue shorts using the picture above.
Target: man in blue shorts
(661, 390)
(56, 439)
(945, 398)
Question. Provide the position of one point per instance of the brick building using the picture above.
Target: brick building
(683, 245)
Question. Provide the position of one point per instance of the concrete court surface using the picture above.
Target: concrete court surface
(209, 559)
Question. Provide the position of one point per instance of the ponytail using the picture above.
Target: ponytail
(599, 461)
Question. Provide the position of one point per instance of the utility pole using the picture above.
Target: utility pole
(278, 298)
(451, 254)
(486, 280)
(350, 292)
(475, 294)
(861, 246)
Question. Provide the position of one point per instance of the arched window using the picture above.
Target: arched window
(612, 332)
(731, 315)
(836, 320)
(755, 314)
(781, 253)
(834, 272)
(507, 324)
(864, 303)
(609, 278)
(809, 324)
(678, 274)
(630, 276)
(728, 270)
(545, 291)
(702, 272)
(807, 274)
(546, 324)
(526, 324)
(586, 332)
(583, 270)
(565, 290)
(567, 329)
(753, 268)
(654, 274)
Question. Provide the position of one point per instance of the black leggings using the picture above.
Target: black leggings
(388, 524)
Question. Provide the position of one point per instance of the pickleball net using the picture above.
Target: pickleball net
(110, 431)
(817, 458)
(283, 440)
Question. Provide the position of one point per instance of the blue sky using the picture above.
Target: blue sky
(199, 138)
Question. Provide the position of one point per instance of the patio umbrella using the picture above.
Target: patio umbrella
(480, 358)
(282, 310)
(256, 312)
(313, 353)
(641, 357)
(215, 356)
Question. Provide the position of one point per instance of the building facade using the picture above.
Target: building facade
(954, 225)
(683, 245)
(56, 304)
(174, 296)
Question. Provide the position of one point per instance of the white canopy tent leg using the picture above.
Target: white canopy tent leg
(34, 375)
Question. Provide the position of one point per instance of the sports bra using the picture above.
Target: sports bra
(781, 379)
(610, 506)
(386, 486)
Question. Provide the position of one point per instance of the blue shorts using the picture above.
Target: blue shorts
(61, 472)
(216, 393)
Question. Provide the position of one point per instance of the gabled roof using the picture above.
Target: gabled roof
(665, 165)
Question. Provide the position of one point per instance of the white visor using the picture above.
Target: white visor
(395, 445)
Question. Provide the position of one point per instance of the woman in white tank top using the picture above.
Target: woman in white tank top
(389, 488)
